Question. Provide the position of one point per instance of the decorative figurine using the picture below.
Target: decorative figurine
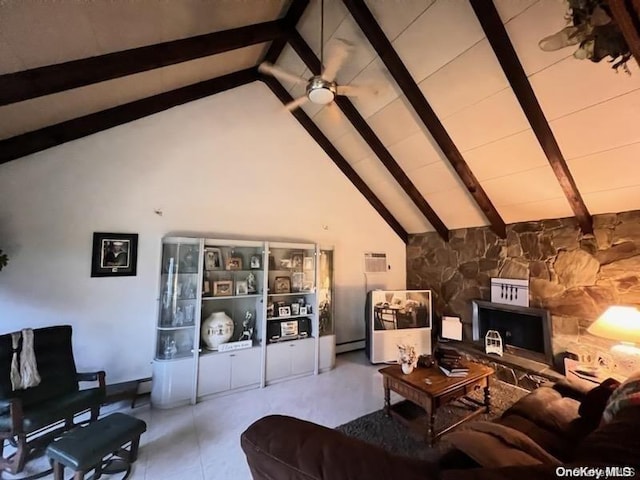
(247, 326)
(251, 283)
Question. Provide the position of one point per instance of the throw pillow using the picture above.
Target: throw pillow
(595, 401)
(626, 395)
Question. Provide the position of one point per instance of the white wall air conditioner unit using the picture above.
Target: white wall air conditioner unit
(375, 262)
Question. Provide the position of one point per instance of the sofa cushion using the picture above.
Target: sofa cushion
(65, 406)
(626, 395)
(595, 401)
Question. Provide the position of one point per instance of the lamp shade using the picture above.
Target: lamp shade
(618, 323)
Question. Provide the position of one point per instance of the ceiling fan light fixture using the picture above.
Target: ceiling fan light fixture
(320, 91)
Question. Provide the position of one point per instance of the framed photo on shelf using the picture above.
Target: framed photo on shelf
(297, 279)
(114, 254)
(282, 285)
(285, 263)
(295, 309)
(241, 287)
(307, 263)
(307, 282)
(234, 263)
(303, 310)
(212, 258)
(255, 262)
(222, 288)
(284, 311)
(270, 309)
(296, 261)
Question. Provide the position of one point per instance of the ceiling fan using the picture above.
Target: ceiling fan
(321, 89)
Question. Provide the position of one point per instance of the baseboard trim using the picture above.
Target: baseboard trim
(349, 346)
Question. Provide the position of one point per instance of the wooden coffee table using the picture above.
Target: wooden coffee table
(429, 388)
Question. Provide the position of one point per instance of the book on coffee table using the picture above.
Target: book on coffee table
(460, 372)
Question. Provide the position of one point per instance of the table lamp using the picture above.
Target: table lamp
(623, 325)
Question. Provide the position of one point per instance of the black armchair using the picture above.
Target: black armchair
(32, 417)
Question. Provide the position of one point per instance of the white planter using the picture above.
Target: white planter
(407, 368)
(217, 328)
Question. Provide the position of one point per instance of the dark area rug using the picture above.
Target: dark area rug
(393, 436)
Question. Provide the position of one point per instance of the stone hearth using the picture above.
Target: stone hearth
(574, 276)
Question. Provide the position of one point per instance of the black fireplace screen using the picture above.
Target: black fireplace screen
(524, 331)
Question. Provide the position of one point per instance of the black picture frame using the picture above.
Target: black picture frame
(114, 254)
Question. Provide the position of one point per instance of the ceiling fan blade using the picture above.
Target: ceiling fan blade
(298, 102)
(279, 73)
(356, 90)
(338, 52)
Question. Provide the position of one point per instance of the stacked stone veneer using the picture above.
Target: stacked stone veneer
(574, 276)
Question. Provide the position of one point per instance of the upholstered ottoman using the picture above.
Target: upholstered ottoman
(84, 449)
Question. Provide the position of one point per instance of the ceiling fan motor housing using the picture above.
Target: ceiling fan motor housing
(321, 91)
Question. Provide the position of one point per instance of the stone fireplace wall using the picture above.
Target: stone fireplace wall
(574, 276)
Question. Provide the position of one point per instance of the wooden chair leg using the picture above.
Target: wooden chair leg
(58, 471)
(133, 451)
(79, 475)
(20, 457)
(95, 413)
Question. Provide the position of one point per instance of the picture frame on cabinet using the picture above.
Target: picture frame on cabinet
(296, 261)
(222, 288)
(270, 309)
(307, 263)
(212, 258)
(241, 287)
(255, 262)
(303, 310)
(284, 311)
(295, 308)
(308, 282)
(297, 280)
(114, 254)
(234, 263)
(282, 285)
(285, 263)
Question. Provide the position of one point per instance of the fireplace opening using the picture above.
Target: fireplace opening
(525, 331)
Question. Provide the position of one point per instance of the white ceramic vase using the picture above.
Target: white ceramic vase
(407, 368)
(217, 328)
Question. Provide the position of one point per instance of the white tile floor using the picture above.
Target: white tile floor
(202, 441)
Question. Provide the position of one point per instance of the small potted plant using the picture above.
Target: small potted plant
(407, 357)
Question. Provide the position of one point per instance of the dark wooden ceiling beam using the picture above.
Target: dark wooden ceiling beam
(627, 16)
(333, 153)
(290, 21)
(499, 40)
(48, 137)
(307, 55)
(19, 86)
(401, 75)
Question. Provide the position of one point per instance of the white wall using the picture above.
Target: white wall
(230, 165)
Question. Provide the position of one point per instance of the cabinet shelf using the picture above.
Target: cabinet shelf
(290, 294)
(183, 327)
(290, 317)
(227, 297)
(205, 352)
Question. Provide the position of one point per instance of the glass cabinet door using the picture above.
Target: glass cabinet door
(179, 305)
(325, 293)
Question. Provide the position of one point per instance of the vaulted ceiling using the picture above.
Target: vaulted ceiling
(471, 123)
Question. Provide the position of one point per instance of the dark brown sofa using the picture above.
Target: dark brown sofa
(286, 448)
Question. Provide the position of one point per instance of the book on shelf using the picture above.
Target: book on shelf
(454, 373)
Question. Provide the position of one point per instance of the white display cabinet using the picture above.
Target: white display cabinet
(238, 314)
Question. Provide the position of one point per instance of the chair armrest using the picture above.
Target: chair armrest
(15, 412)
(93, 377)
(577, 391)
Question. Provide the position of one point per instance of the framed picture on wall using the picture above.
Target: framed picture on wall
(114, 254)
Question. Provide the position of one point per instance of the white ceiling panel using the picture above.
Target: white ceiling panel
(507, 9)
(309, 25)
(332, 122)
(206, 68)
(394, 17)
(188, 18)
(439, 35)
(470, 78)
(400, 206)
(572, 85)
(491, 119)
(528, 186)
(415, 151)
(372, 171)
(9, 61)
(610, 201)
(44, 33)
(380, 89)
(602, 127)
(137, 86)
(544, 18)
(435, 177)
(394, 122)
(545, 209)
(506, 156)
(353, 147)
(456, 208)
(611, 169)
